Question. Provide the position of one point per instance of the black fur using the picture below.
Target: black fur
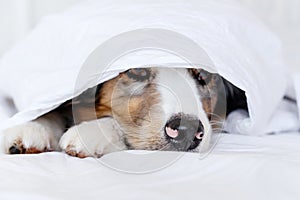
(236, 98)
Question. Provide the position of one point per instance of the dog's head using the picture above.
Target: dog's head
(161, 108)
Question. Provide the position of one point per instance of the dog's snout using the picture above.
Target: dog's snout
(184, 132)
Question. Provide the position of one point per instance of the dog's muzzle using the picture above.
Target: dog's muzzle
(184, 132)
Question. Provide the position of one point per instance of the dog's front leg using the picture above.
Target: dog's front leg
(93, 138)
(40, 135)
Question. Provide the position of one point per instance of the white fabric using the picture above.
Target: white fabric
(296, 81)
(239, 167)
(285, 119)
(40, 73)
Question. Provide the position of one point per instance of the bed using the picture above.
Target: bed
(256, 161)
(238, 167)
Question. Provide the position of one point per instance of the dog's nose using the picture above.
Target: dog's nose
(184, 132)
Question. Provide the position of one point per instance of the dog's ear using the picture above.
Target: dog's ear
(82, 107)
(88, 97)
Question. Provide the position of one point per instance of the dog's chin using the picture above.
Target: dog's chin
(170, 147)
(194, 146)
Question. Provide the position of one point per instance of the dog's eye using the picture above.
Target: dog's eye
(204, 77)
(139, 74)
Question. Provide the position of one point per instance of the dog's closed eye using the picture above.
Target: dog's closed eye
(202, 76)
(139, 74)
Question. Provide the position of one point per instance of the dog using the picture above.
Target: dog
(173, 109)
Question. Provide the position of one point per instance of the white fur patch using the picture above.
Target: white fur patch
(41, 134)
(94, 138)
(180, 94)
(31, 135)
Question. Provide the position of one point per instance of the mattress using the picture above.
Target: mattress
(237, 167)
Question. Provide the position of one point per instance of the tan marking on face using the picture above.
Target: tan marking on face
(137, 111)
(210, 97)
(207, 106)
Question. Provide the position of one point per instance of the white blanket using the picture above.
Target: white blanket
(48, 67)
(239, 167)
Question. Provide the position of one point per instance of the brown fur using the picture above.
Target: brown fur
(138, 112)
(133, 112)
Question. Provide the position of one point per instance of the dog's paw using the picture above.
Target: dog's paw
(31, 137)
(92, 139)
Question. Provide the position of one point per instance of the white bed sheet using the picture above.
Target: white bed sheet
(238, 167)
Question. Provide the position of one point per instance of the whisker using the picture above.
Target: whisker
(217, 130)
(216, 115)
(216, 122)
